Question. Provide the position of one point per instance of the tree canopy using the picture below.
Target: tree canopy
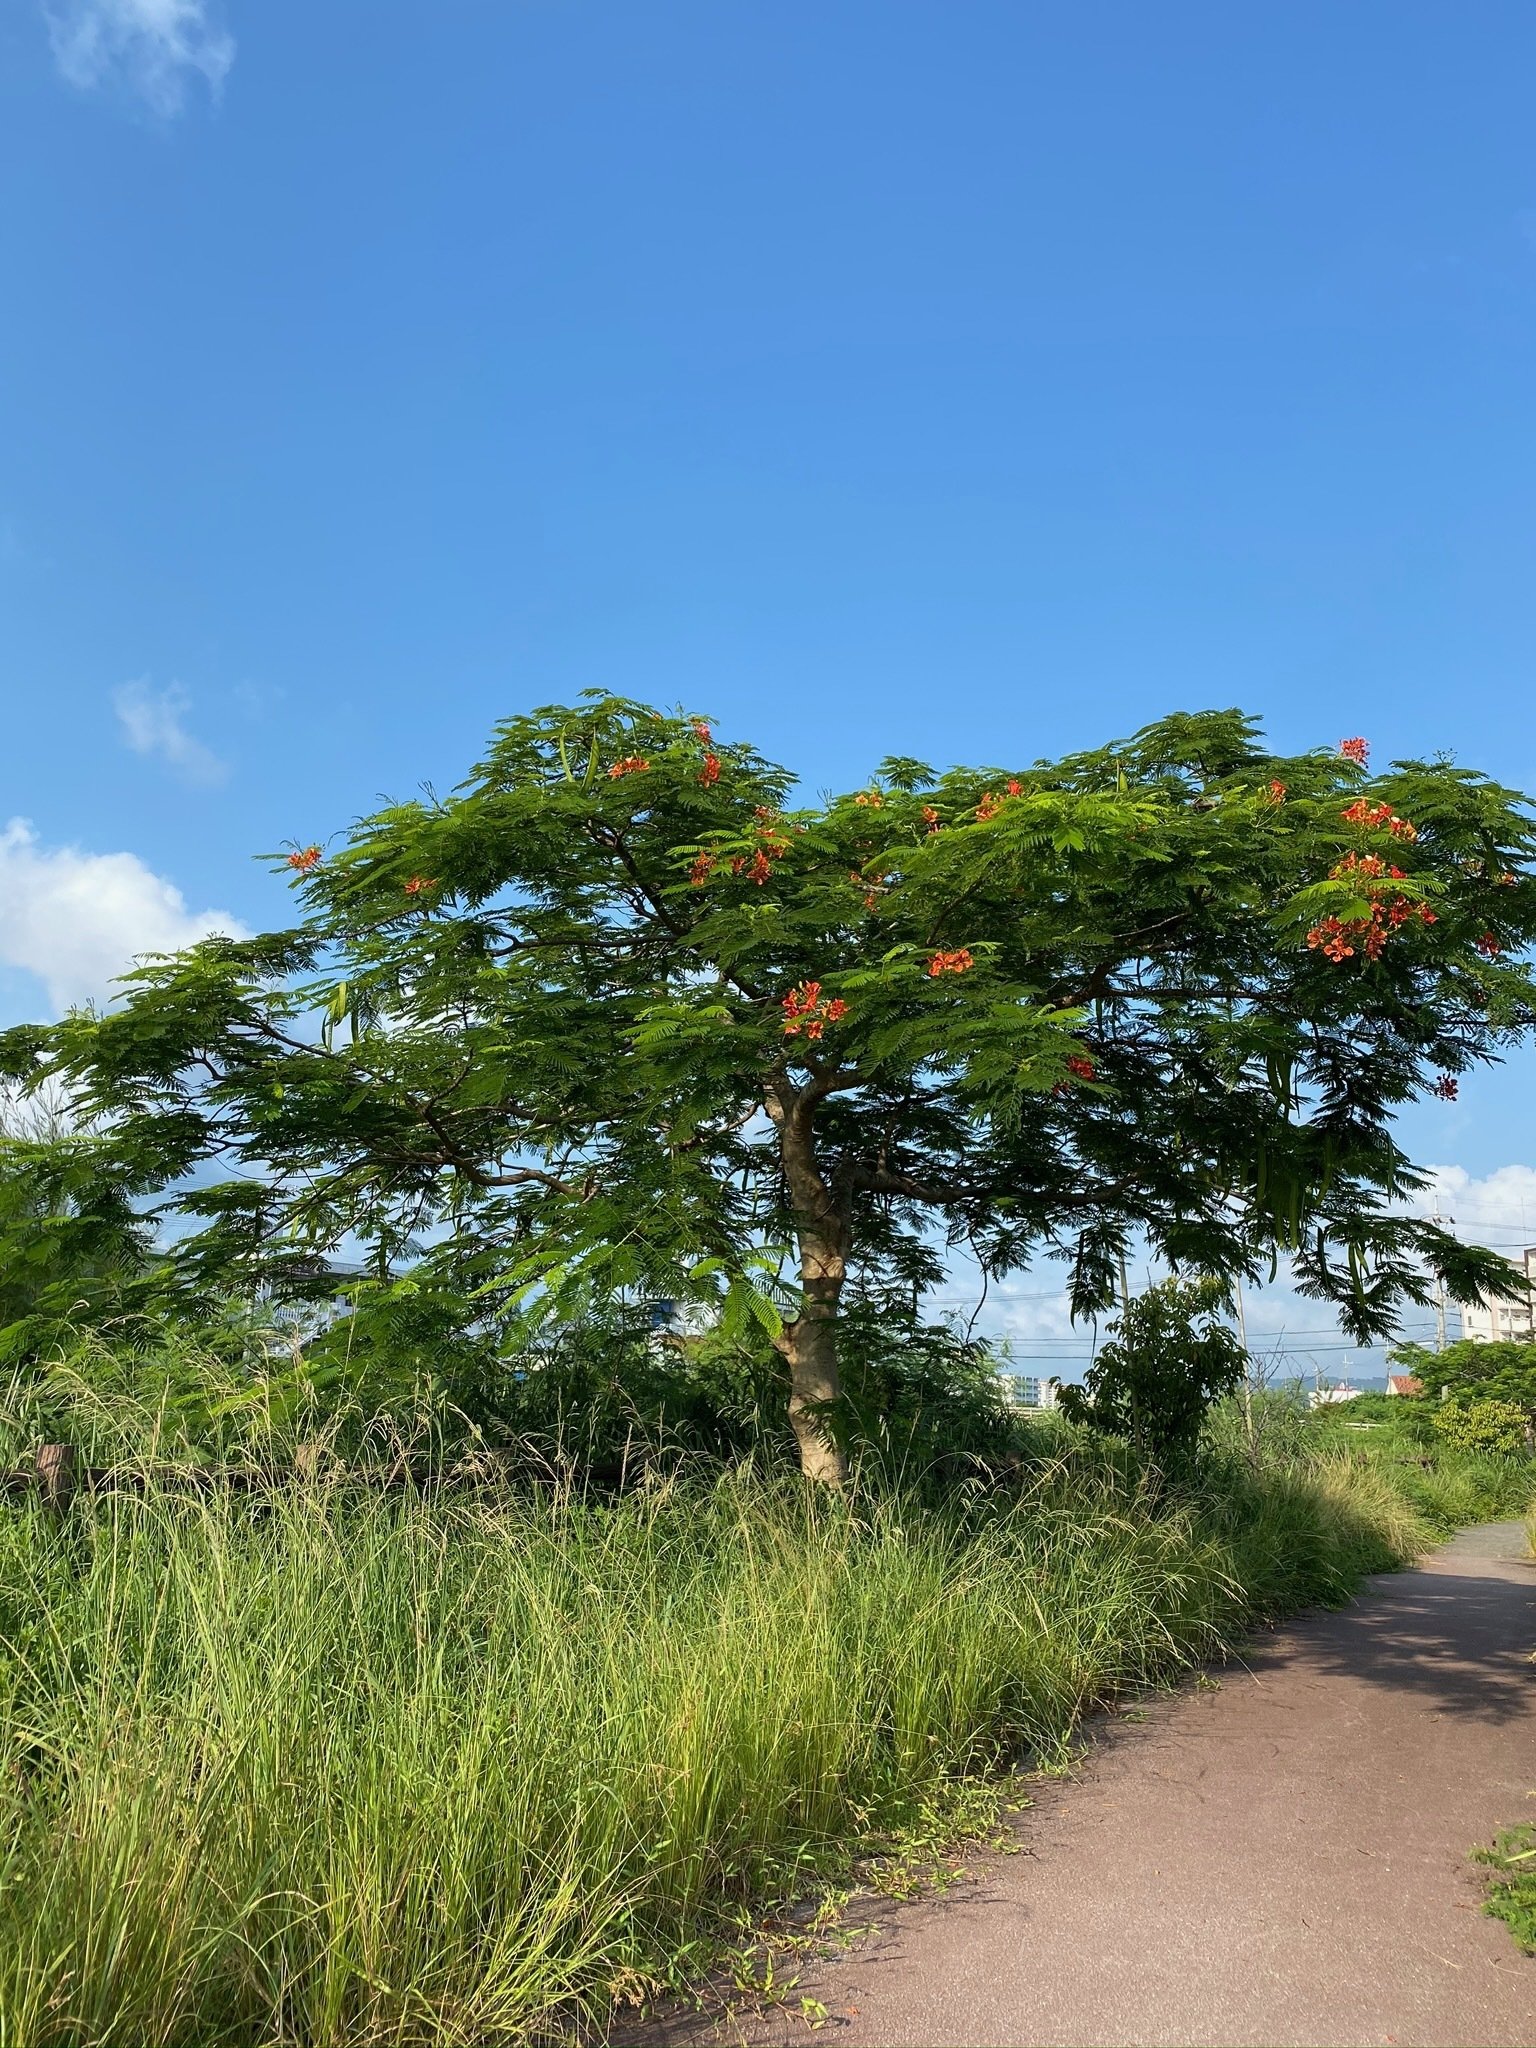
(75, 1243)
(626, 1012)
(1472, 1371)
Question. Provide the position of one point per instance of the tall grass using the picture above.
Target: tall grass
(323, 1764)
(327, 1766)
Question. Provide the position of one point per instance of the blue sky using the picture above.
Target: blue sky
(943, 377)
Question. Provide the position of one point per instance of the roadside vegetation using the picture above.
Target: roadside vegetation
(463, 1757)
(508, 1532)
(1512, 1884)
(1447, 1483)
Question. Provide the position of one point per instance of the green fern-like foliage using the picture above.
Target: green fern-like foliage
(624, 1015)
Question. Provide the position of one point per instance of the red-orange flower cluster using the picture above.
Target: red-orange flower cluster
(419, 884)
(1339, 937)
(1277, 792)
(1362, 813)
(870, 800)
(1366, 866)
(1489, 946)
(958, 962)
(306, 860)
(709, 774)
(773, 844)
(931, 818)
(992, 803)
(632, 764)
(805, 1010)
(703, 731)
(701, 870)
(1355, 750)
(1080, 1067)
(1333, 937)
(1445, 1088)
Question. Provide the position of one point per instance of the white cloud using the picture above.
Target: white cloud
(154, 47)
(152, 725)
(76, 920)
(1499, 1209)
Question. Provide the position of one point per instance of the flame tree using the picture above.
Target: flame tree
(621, 1013)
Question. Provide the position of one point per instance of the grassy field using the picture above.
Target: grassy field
(327, 1766)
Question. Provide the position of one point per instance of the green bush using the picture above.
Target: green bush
(1487, 1429)
(1504, 1371)
(1445, 1485)
(605, 1398)
(1170, 1356)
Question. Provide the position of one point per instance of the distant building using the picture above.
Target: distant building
(1505, 1322)
(1325, 1397)
(1023, 1390)
(1403, 1383)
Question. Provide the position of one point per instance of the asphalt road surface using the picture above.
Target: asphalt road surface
(1282, 1859)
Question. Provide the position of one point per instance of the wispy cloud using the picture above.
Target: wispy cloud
(152, 725)
(77, 920)
(154, 48)
(1499, 1209)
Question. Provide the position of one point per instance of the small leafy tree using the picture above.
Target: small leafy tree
(75, 1245)
(1169, 1357)
(622, 1015)
(1488, 1429)
(1503, 1371)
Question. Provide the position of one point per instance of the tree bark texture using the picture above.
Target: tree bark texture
(809, 1343)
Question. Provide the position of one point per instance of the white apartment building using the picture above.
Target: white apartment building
(1023, 1390)
(1514, 1321)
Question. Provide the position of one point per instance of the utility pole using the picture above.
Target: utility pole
(1439, 1296)
(1125, 1288)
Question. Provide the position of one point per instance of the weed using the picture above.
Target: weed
(1512, 1892)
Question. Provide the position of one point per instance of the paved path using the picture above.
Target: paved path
(1282, 1860)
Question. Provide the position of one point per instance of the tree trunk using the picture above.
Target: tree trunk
(810, 1349)
(809, 1343)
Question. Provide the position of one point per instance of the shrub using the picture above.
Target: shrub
(1489, 1429)
(603, 1398)
(1170, 1357)
(1466, 1370)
